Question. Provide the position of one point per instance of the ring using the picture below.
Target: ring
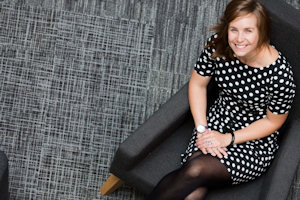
(207, 141)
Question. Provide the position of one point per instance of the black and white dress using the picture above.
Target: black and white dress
(245, 94)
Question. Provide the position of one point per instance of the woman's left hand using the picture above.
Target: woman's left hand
(220, 151)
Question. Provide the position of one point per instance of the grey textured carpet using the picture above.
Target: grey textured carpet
(77, 77)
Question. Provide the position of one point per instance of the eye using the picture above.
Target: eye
(233, 30)
(248, 30)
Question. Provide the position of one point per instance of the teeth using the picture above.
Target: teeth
(240, 46)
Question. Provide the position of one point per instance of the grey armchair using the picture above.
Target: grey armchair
(4, 194)
(154, 149)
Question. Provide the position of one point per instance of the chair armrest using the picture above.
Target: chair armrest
(281, 173)
(4, 193)
(158, 127)
(150, 134)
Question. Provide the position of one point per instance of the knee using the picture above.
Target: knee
(194, 170)
(197, 194)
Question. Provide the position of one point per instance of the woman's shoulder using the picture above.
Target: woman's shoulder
(282, 71)
(281, 62)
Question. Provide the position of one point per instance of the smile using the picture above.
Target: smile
(240, 46)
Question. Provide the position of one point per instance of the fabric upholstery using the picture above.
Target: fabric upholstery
(284, 166)
(158, 127)
(285, 31)
(275, 183)
(153, 131)
(4, 194)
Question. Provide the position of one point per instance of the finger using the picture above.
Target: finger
(217, 151)
(211, 151)
(198, 144)
(203, 150)
(209, 143)
(224, 148)
(209, 139)
(202, 143)
(223, 152)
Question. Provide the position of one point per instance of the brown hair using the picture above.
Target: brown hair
(238, 8)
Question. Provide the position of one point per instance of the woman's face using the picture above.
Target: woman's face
(243, 36)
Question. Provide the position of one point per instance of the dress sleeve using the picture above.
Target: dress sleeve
(284, 90)
(205, 64)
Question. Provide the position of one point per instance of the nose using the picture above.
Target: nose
(240, 37)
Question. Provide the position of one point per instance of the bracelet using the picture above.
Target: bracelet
(232, 139)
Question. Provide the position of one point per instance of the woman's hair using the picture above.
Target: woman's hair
(238, 8)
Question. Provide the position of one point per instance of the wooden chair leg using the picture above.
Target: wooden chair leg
(111, 184)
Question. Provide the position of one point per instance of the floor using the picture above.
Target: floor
(78, 77)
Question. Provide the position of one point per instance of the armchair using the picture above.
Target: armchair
(154, 149)
(4, 194)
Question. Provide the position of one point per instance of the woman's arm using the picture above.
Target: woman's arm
(198, 97)
(258, 129)
(198, 104)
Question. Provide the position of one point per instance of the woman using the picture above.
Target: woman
(237, 141)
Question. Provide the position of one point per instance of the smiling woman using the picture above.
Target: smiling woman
(234, 11)
(236, 142)
(243, 38)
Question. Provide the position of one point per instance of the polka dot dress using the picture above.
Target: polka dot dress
(245, 94)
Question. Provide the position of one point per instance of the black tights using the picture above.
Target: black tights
(192, 179)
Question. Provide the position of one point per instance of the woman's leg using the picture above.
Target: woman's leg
(200, 192)
(192, 178)
(197, 194)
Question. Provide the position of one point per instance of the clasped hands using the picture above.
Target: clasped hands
(213, 142)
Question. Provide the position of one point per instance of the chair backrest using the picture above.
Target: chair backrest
(285, 32)
(285, 36)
